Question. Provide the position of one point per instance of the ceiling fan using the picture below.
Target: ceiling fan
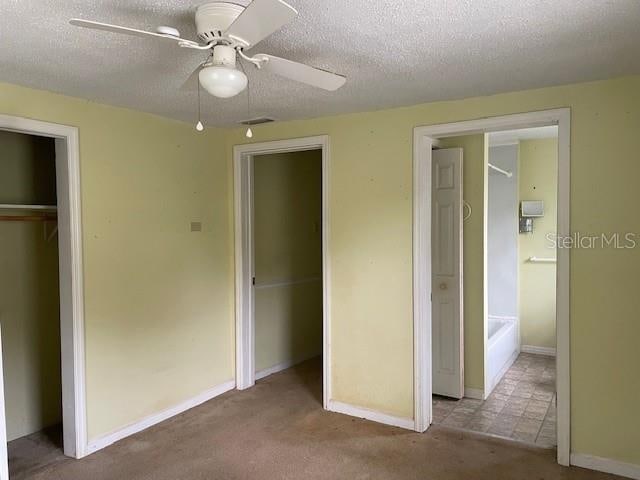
(228, 30)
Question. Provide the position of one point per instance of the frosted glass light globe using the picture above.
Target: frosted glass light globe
(222, 82)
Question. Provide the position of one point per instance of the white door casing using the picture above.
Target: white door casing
(446, 243)
(244, 288)
(67, 147)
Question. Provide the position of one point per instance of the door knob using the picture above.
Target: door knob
(443, 286)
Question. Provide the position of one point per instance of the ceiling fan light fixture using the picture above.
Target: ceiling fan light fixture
(222, 82)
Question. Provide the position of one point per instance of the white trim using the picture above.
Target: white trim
(374, 416)
(563, 280)
(286, 282)
(243, 208)
(243, 199)
(103, 441)
(281, 366)
(74, 416)
(607, 465)
(275, 369)
(485, 268)
(547, 351)
(422, 141)
(475, 393)
(422, 376)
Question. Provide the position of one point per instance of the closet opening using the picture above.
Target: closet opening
(29, 301)
(42, 392)
(282, 281)
(287, 280)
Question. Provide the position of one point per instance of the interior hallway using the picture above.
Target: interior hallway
(278, 430)
(521, 407)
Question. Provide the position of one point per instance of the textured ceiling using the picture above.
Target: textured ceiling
(393, 52)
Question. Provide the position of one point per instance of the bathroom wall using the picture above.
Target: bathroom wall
(502, 233)
(538, 180)
(474, 193)
(288, 257)
(29, 308)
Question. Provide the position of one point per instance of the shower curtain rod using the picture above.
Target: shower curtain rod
(499, 170)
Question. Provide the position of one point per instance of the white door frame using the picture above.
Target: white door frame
(74, 418)
(423, 139)
(244, 261)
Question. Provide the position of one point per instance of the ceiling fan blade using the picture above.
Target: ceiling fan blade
(191, 83)
(301, 72)
(259, 20)
(78, 22)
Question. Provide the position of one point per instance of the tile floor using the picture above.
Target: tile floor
(521, 407)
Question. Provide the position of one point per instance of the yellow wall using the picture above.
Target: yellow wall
(288, 248)
(158, 298)
(29, 311)
(538, 180)
(371, 266)
(474, 192)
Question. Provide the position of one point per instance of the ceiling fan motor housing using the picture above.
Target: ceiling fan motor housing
(223, 55)
(213, 19)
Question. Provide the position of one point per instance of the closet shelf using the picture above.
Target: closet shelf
(40, 208)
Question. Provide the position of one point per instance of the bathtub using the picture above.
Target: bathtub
(503, 347)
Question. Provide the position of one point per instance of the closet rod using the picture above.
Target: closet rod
(499, 170)
(28, 218)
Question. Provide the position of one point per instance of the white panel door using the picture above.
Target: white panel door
(446, 241)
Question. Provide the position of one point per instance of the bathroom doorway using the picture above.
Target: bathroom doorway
(473, 138)
(509, 386)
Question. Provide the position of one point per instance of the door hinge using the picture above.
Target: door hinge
(253, 280)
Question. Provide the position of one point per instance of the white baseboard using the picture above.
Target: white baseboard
(550, 352)
(372, 415)
(105, 440)
(606, 465)
(475, 393)
(282, 366)
(275, 369)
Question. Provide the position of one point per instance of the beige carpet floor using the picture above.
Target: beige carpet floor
(278, 430)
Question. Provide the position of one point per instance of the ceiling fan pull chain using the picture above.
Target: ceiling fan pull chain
(249, 132)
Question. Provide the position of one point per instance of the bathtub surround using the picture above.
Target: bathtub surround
(503, 347)
(503, 342)
(502, 233)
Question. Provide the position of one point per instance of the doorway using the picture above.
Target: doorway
(45, 213)
(266, 267)
(509, 386)
(424, 140)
